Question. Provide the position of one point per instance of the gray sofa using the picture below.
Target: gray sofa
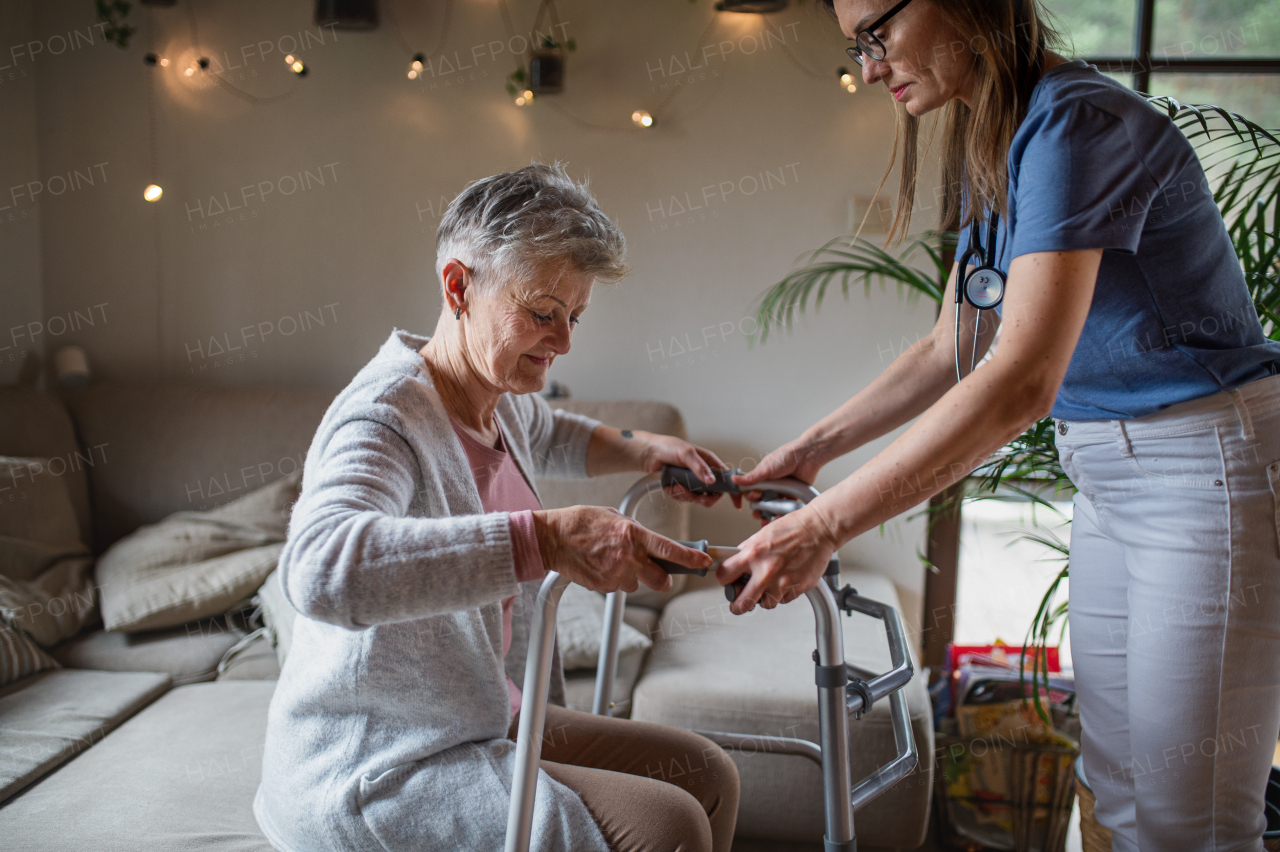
(153, 741)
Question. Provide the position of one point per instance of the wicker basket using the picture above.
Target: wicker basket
(1041, 797)
(1093, 837)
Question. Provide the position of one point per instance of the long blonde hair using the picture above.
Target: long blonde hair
(1006, 40)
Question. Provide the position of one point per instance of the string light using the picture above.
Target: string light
(295, 65)
(164, 63)
(642, 118)
(152, 192)
(524, 97)
(415, 67)
(846, 80)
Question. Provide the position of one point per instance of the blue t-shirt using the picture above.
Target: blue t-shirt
(1093, 165)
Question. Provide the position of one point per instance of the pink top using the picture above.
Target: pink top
(503, 489)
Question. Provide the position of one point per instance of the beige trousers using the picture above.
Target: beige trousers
(649, 787)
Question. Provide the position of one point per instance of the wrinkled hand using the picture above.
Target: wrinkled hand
(607, 551)
(797, 458)
(662, 450)
(785, 559)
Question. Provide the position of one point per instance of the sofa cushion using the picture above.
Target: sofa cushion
(579, 625)
(580, 685)
(20, 656)
(46, 574)
(193, 565)
(35, 506)
(667, 517)
(187, 654)
(176, 447)
(37, 425)
(711, 670)
(179, 775)
(49, 718)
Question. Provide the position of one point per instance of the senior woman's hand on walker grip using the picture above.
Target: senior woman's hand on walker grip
(606, 551)
(660, 450)
(785, 559)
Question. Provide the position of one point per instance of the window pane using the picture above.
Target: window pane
(1002, 576)
(1095, 27)
(1124, 78)
(1255, 96)
(1216, 28)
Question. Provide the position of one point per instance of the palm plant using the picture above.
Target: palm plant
(1242, 163)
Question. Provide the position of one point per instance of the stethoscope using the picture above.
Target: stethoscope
(983, 287)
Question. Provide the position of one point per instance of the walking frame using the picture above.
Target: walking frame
(844, 690)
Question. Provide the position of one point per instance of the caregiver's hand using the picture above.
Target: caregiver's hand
(785, 559)
(607, 551)
(799, 458)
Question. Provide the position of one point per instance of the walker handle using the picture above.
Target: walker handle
(724, 484)
(675, 567)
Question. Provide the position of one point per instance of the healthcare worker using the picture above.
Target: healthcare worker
(1126, 317)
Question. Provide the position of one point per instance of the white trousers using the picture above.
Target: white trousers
(1175, 617)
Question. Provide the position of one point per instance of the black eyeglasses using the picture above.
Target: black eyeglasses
(866, 39)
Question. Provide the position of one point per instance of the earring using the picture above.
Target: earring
(457, 314)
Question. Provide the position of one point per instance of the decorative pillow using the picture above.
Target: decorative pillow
(19, 656)
(193, 565)
(46, 573)
(579, 623)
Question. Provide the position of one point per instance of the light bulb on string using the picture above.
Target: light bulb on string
(846, 80)
(642, 118)
(415, 67)
(525, 97)
(152, 192)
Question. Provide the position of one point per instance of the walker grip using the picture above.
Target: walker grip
(724, 484)
(675, 567)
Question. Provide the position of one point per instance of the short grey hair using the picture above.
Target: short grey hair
(510, 226)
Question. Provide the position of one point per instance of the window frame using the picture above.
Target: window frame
(1142, 64)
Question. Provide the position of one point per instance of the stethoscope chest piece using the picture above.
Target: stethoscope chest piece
(984, 287)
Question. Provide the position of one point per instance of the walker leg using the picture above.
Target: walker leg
(607, 665)
(533, 713)
(831, 676)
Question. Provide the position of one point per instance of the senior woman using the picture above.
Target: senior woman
(1126, 317)
(415, 552)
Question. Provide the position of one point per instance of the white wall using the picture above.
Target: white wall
(356, 252)
(21, 312)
